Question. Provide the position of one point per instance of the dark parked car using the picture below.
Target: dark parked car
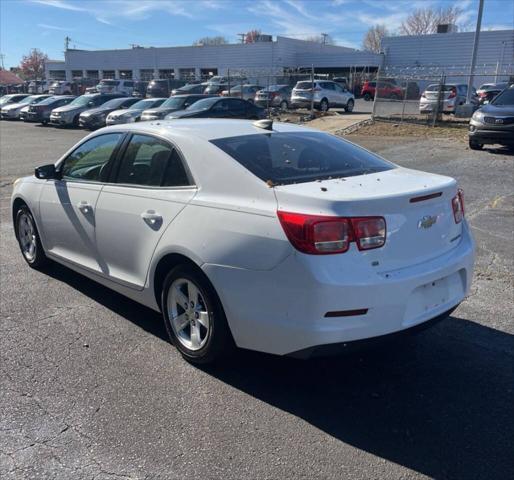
(274, 96)
(190, 88)
(220, 107)
(172, 104)
(41, 111)
(158, 88)
(95, 118)
(494, 123)
(215, 88)
(69, 114)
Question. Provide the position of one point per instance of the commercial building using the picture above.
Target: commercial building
(438, 52)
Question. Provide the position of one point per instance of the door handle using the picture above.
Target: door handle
(152, 219)
(85, 207)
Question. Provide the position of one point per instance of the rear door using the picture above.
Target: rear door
(149, 187)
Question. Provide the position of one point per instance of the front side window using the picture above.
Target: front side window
(88, 161)
(291, 157)
(151, 162)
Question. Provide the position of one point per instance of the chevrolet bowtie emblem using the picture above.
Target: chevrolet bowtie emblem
(427, 221)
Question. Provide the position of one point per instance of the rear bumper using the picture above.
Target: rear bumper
(283, 310)
(428, 106)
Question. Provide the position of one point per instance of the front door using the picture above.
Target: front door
(68, 205)
(148, 190)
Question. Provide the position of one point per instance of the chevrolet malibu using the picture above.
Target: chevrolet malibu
(267, 236)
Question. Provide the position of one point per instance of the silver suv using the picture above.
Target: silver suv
(326, 94)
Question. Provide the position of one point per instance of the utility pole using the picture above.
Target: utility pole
(475, 48)
(324, 41)
(499, 63)
(2, 56)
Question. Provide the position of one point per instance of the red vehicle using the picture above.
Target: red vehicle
(385, 90)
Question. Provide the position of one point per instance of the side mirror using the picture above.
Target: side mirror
(485, 102)
(46, 172)
(90, 104)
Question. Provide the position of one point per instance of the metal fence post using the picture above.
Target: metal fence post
(312, 90)
(228, 79)
(376, 95)
(404, 99)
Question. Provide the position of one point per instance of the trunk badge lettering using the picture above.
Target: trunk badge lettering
(499, 120)
(427, 221)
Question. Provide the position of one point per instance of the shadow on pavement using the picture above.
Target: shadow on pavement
(440, 403)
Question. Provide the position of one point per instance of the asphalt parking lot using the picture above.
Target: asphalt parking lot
(91, 389)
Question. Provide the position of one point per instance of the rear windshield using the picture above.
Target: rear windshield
(297, 157)
(304, 85)
(444, 88)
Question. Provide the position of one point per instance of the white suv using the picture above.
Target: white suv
(326, 94)
(126, 87)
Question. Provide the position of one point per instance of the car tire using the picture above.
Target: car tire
(284, 106)
(393, 96)
(474, 145)
(323, 105)
(349, 106)
(28, 239)
(188, 296)
(367, 96)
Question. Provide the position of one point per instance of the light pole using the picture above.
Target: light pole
(475, 48)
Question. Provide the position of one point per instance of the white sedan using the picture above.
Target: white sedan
(270, 237)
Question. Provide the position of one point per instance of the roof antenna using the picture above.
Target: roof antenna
(266, 124)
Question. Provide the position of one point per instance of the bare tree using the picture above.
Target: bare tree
(373, 38)
(425, 20)
(211, 41)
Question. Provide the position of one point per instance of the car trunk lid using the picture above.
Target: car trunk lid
(417, 208)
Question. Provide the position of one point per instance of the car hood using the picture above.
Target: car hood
(69, 108)
(13, 106)
(152, 111)
(96, 111)
(186, 113)
(492, 109)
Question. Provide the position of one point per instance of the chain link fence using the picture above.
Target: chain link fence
(431, 95)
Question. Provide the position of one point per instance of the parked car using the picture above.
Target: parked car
(326, 94)
(133, 113)
(61, 87)
(214, 88)
(488, 91)
(452, 95)
(220, 107)
(96, 117)
(172, 104)
(158, 88)
(38, 86)
(68, 115)
(242, 233)
(494, 123)
(225, 80)
(140, 89)
(123, 87)
(12, 98)
(190, 89)
(246, 92)
(40, 112)
(413, 92)
(12, 111)
(385, 90)
(274, 96)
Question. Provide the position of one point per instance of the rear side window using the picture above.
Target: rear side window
(149, 161)
(291, 157)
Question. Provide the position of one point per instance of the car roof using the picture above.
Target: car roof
(206, 128)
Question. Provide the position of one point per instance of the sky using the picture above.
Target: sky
(106, 24)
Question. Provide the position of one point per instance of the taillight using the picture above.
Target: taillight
(319, 235)
(453, 94)
(423, 95)
(273, 94)
(458, 206)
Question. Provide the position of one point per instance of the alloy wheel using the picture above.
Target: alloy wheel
(189, 317)
(27, 236)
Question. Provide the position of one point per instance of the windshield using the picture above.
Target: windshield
(174, 102)
(297, 157)
(49, 100)
(203, 104)
(147, 103)
(114, 103)
(5, 99)
(82, 100)
(274, 88)
(30, 99)
(504, 98)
